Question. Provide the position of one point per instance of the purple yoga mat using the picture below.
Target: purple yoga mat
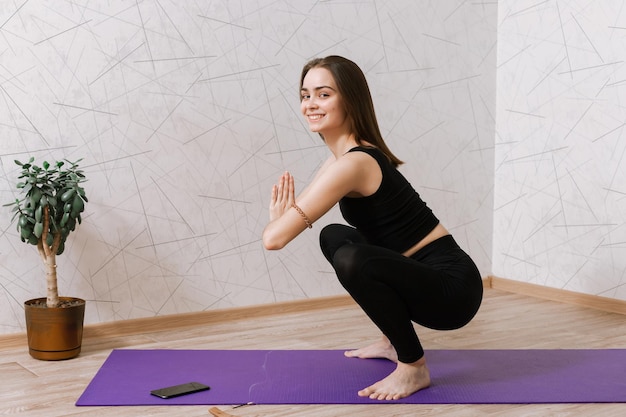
(327, 377)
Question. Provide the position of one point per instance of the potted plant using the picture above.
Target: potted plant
(49, 210)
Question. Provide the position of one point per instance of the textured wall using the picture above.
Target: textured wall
(186, 112)
(560, 201)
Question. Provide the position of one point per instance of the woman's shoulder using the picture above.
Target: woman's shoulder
(373, 152)
(363, 152)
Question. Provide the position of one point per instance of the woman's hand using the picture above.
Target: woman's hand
(283, 196)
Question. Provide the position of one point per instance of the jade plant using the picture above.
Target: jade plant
(49, 210)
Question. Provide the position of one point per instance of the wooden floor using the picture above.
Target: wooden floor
(506, 321)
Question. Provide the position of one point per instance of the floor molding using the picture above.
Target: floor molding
(178, 321)
(611, 305)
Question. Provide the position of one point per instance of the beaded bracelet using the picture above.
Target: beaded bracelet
(304, 216)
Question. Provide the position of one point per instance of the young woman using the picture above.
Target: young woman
(398, 262)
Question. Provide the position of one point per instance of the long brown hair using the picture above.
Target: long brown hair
(357, 100)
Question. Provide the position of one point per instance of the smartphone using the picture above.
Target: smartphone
(177, 390)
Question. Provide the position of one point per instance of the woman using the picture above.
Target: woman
(398, 262)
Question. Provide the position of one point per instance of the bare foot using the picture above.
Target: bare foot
(406, 379)
(382, 349)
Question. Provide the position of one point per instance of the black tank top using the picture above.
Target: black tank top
(395, 216)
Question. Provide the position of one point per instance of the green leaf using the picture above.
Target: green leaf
(38, 214)
(13, 203)
(81, 191)
(78, 205)
(25, 232)
(23, 221)
(65, 218)
(35, 195)
(38, 230)
(67, 195)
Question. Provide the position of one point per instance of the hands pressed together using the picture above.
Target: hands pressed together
(283, 196)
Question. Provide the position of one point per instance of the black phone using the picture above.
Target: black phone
(177, 390)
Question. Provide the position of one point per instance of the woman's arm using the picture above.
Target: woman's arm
(334, 180)
(319, 172)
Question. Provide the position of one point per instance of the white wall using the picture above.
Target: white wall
(560, 173)
(186, 112)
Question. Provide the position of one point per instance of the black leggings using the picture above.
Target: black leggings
(439, 287)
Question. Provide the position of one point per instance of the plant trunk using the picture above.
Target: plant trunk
(48, 255)
(52, 295)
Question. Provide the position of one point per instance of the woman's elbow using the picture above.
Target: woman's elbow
(272, 241)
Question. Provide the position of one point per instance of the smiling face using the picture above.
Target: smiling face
(322, 104)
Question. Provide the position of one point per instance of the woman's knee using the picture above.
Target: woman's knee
(334, 236)
(349, 262)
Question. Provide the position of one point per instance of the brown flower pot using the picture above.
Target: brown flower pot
(54, 333)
